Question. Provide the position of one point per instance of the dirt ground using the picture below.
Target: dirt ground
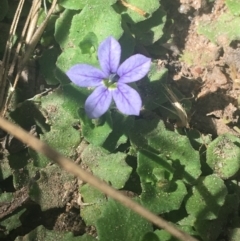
(212, 78)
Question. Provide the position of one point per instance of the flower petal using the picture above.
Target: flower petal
(98, 102)
(109, 53)
(85, 75)
(127, 99)
(134, 68)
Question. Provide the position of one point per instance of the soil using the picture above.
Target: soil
(211, 80)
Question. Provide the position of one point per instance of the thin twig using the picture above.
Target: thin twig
(74, 169)
(29, 49)
(133, 8)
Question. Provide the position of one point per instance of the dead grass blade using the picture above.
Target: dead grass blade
(30, 37)
(181, 113)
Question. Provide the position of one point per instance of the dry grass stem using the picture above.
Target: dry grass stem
(31, 41)
(133, 8)
(177, 106)
(6, 57)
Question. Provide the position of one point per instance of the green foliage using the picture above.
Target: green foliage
(5, 170)
(94, 203)
(149, 31)
(10, 223)
(96, 131)
(233, 6)
(152, 90)
(112, 168)
(159, 192)
(91, 19)
(60, 110)
(208, 197)
(223, 156)
(120, 223)
(154, 137)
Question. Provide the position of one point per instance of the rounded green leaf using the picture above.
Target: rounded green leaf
(100, 19)
(208, 197)
(159, 193)
(62, 27)
(120, 223)
(112, 168)
(70, 57)
(149, 31)
(94, 203)
(223, 155)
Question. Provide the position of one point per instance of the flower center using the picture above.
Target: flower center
(111, 82)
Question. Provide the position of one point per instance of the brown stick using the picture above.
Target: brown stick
(74, 169)
(134, 8)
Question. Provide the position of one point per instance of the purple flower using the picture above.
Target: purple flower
(111, 81)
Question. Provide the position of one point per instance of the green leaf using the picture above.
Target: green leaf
(70, 57)
(41, 233)
(111, 168)
(47, 65)
(96, 131)
(165, 236)
(233, 6)
(208, 197)
(45, 191)
(62, 28)
(159, 193)
(80, 4)
(127, 42)
(91, 19)
(223, 30)
(120, 223)
(5, 170)
(178, 149)
(131, 16)
(119, 135)
(4, 9)
(150, 237)
(153, 136)
(89, 44)
(94, 203)
(149, 31)
(11, 222)
(152, 91)
(223, 155)
(61, 111)
(210, 230)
